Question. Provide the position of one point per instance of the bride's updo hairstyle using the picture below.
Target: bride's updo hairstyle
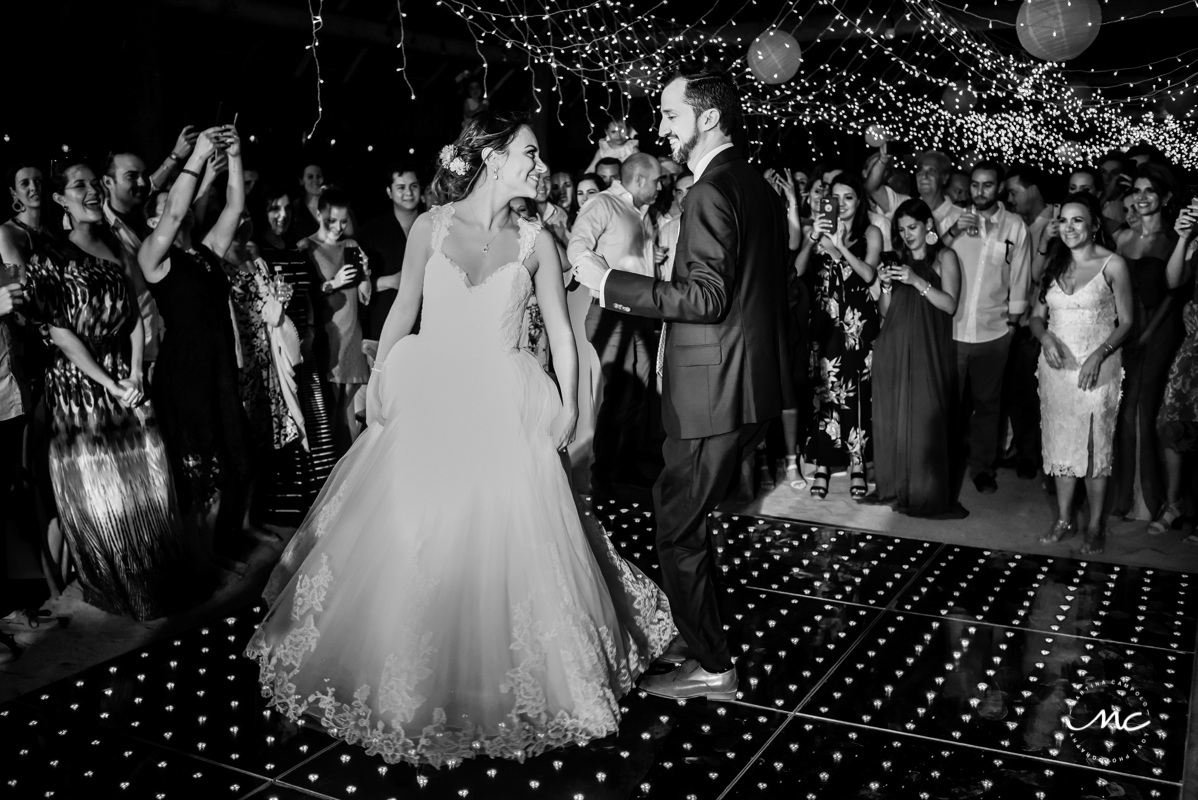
(454, 178)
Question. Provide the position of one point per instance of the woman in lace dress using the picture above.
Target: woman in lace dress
(432, 614)
(1083, 314)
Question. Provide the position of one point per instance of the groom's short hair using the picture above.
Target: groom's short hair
(712, 88)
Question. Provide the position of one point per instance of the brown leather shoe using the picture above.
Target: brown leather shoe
(691, 680)
(677, 652)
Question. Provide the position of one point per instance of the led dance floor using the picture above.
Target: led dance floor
(870, 667)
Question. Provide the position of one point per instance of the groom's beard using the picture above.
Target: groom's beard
(686, 148)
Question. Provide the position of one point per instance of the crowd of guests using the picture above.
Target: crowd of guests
(183, 351)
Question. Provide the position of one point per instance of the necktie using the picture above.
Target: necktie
(661, 348)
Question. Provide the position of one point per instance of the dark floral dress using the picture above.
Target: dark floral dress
(271, 424)
(844, 323)
(108, 466)
(1177, 423)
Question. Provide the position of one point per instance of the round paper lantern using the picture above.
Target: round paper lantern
(876, 136)
(1058, 30)
(774, 56)
(959, 97)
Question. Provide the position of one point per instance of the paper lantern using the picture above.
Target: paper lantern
(959, 97)
(774, 56)
(876, 136)
(1058, 30)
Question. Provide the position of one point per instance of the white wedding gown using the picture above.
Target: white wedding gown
(448, 595)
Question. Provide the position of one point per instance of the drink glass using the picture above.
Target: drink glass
(973, 229)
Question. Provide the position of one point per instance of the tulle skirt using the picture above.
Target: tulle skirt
(449, 595)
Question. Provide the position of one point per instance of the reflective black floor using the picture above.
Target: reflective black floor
(870, 667)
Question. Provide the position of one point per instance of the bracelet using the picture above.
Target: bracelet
(174, 157)
(1108, 349)
(191, 172)
(814, 237)
(925, 291)
(887, 288)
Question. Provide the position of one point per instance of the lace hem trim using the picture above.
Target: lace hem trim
(438, 745)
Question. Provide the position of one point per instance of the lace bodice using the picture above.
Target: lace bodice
(1082, 320)
(483, 316)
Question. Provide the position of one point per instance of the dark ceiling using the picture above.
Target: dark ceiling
(91, 73)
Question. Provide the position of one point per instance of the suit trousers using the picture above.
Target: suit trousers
(980, 366)
(627, 361)
(698, 474)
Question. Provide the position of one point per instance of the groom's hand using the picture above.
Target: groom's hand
(590, 269)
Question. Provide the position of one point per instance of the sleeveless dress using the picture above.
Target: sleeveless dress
(914, 391)
(844, 323)
(108, 466)
(1069, 415)
(432, 609)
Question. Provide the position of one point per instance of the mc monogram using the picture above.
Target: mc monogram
(1111, 721)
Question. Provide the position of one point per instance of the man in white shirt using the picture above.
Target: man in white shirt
(932, 172)
(993, 247)
(1021, 389)
(616, 225)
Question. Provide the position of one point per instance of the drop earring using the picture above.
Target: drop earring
(495, 174)
(931, 238)
(18, 206)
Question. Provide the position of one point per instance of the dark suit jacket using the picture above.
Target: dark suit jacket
(725, 304)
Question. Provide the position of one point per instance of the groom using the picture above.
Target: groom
(722, 359)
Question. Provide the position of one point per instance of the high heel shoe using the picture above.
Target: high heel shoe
(1093, 542)
(794, 476)
(819, 484)
(1165, 518)
(858, 488)
(1060, 531)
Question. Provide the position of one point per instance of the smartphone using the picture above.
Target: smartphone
(353, 257)
(830, 209)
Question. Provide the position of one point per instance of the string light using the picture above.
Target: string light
(317, 24)
(403, 53)
(887, 68)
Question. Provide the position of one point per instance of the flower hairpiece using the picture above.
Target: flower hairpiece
(450, 159)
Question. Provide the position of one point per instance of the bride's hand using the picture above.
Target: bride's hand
(561, 430)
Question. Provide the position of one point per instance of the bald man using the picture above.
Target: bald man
(615, 224)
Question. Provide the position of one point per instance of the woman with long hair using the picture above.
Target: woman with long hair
(300, 469)
(1150, 349)
(108, 466)
(430, 613)
(1177, 422)
(1083, 315)
(844, 253)
(914, 368)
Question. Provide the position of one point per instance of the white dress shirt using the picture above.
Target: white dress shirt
(698, 173)
(996, 273)
(611, 225)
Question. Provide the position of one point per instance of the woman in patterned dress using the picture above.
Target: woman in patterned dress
(263, 331)
(108, 466)
(1177, 423)
(844, 322)
(301, 467)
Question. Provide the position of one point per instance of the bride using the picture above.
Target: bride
(448, 595)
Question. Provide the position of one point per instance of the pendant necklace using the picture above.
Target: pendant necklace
(487, 246)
